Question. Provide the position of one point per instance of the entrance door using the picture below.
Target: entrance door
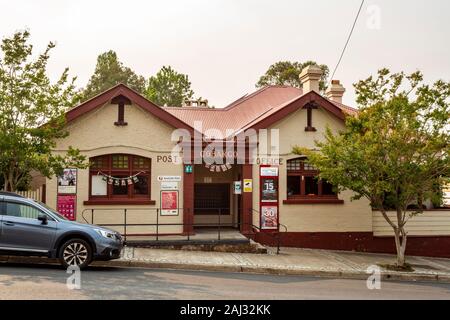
(212, 198)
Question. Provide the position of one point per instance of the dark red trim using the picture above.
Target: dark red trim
(114, 202)
(424, 210)
(313, 201)
(44, 193)
(130, 196)
(188, 200)
(153, 234)
(436, 246)
(246, 201)
(122, 90)
(121, 115)
(310, 97)
(309, 127)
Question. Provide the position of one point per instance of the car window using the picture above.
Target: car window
(21, 210)
(56, 213)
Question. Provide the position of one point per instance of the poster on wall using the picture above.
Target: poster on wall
(169, 203)
(269, 190)
(269, 218)
(66, 206)
(67, 182)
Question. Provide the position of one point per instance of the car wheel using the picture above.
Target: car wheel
(75, 252)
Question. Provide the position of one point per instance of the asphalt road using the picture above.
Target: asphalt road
(19, 281)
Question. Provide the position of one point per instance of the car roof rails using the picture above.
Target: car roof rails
(10, 194)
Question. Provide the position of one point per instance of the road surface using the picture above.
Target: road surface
(19, 281)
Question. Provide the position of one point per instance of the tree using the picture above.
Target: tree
(287, 73)
(32, 114)
(109, 72)
(169, 88)
(394, 150)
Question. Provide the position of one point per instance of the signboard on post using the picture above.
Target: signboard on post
(169, 203)
(269, 218)
(268, 178)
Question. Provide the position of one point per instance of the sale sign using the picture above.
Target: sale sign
(66, 205)
(269, 218)
(169, 203)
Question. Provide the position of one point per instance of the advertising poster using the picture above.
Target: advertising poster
(269, 218)
(67, 182)
(66, 205)
(269, 191)
(169, 203)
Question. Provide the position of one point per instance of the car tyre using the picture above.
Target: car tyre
(75, 252)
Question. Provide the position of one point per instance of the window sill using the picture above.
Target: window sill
(313, 201)
(107, 202)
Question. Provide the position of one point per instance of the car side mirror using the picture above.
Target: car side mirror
(43, 218)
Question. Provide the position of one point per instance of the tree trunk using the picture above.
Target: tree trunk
(400, 245)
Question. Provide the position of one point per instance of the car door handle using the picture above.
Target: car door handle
(8, 223)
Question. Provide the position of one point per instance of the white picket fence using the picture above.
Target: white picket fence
(33, 194)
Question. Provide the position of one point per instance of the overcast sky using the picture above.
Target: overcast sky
(225, 45)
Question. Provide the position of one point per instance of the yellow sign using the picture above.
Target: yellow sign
(248, 185)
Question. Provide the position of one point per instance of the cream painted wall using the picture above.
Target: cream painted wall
(145, 135)
(352, 216)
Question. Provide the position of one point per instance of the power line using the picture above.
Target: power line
(348, 40)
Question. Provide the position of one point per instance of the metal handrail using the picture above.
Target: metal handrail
(219, 225)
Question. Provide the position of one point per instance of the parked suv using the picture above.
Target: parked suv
(29, 228)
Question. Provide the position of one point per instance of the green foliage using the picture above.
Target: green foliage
(109, 72)
(287, 73)
(31, 113)
(169, 88)
(395, 150)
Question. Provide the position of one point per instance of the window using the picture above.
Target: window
(19, 210)
(130, 184)
(303, 185)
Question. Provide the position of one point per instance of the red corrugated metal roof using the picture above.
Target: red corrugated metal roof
(241, 113)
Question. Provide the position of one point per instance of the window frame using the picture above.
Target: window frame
(130, 197)
(303, 198)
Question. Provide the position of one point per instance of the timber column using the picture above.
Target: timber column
(247, 201)
(188, 199)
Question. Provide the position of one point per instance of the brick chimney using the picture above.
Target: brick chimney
(335, 91)
(310, 77)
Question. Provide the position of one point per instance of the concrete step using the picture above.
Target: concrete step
(236, 246)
